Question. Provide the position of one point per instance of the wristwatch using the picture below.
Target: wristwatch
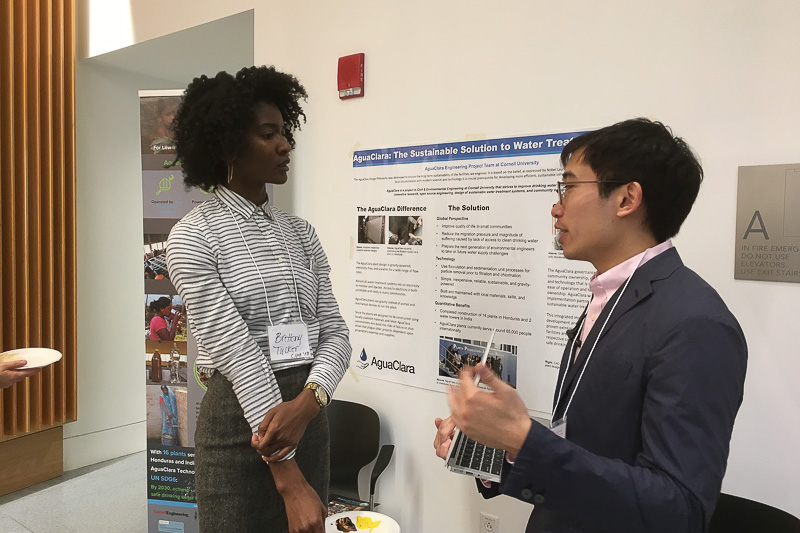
(320, 394)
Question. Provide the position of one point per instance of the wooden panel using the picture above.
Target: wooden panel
(59, 188)
(46, 314)
(37, 209)
(8, 178)
(71, 251)
(6, 160)
(31, 459)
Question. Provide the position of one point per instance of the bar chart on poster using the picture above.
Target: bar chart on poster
(466, 246)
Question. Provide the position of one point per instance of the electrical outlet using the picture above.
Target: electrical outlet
(489, 523)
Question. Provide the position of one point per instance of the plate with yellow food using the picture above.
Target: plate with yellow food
(360, 522)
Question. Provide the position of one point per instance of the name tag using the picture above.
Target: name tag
(288, 342)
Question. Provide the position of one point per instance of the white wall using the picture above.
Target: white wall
(110, 288)
(723, 74)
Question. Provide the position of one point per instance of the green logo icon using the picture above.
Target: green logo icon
(165, 184)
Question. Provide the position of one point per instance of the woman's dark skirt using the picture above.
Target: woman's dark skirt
(235, 489)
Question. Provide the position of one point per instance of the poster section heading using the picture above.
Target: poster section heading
(456, 151)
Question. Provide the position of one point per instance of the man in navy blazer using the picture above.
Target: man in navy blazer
(652, 375)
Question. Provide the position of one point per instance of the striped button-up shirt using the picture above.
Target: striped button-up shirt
(217, 278)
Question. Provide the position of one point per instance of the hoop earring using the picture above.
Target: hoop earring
(230, 174)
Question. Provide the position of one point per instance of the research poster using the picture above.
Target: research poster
(173, 387)
(454, 240)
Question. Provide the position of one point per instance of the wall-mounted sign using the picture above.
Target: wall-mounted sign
(768, 223)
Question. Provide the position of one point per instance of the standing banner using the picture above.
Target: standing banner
(174, 388)
(455, 239)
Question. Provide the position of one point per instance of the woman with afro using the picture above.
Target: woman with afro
(255, 284)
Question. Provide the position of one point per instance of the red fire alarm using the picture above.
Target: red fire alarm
(351, 76)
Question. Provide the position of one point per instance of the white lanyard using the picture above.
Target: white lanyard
(569, 360)
(588, 358)
(255, 264)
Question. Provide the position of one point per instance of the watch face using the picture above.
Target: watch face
(322, 394)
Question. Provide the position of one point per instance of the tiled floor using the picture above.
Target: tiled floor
(109, 497)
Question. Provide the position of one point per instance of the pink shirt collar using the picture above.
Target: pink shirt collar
(607, 283)
(604, 286)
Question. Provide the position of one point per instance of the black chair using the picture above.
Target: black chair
(355, 435)
(740, 515)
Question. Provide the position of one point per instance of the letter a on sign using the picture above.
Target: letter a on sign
(760, 229)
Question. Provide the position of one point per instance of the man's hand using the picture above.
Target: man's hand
(284, 425)
(498, 419)
(304, 509)
(10, 373)
(444, 436)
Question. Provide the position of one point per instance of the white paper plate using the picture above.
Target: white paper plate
(36, 357)
(387, 525)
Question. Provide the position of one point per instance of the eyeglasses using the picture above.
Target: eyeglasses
(563, 188)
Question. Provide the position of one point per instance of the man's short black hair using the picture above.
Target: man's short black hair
(647, 152)
(215, 112)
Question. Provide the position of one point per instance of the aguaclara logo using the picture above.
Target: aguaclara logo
(383, 364)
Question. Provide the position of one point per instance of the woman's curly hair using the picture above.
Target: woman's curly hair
(215, 112)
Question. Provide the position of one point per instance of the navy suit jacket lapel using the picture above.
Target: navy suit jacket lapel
(567, 355)
(639, 288)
